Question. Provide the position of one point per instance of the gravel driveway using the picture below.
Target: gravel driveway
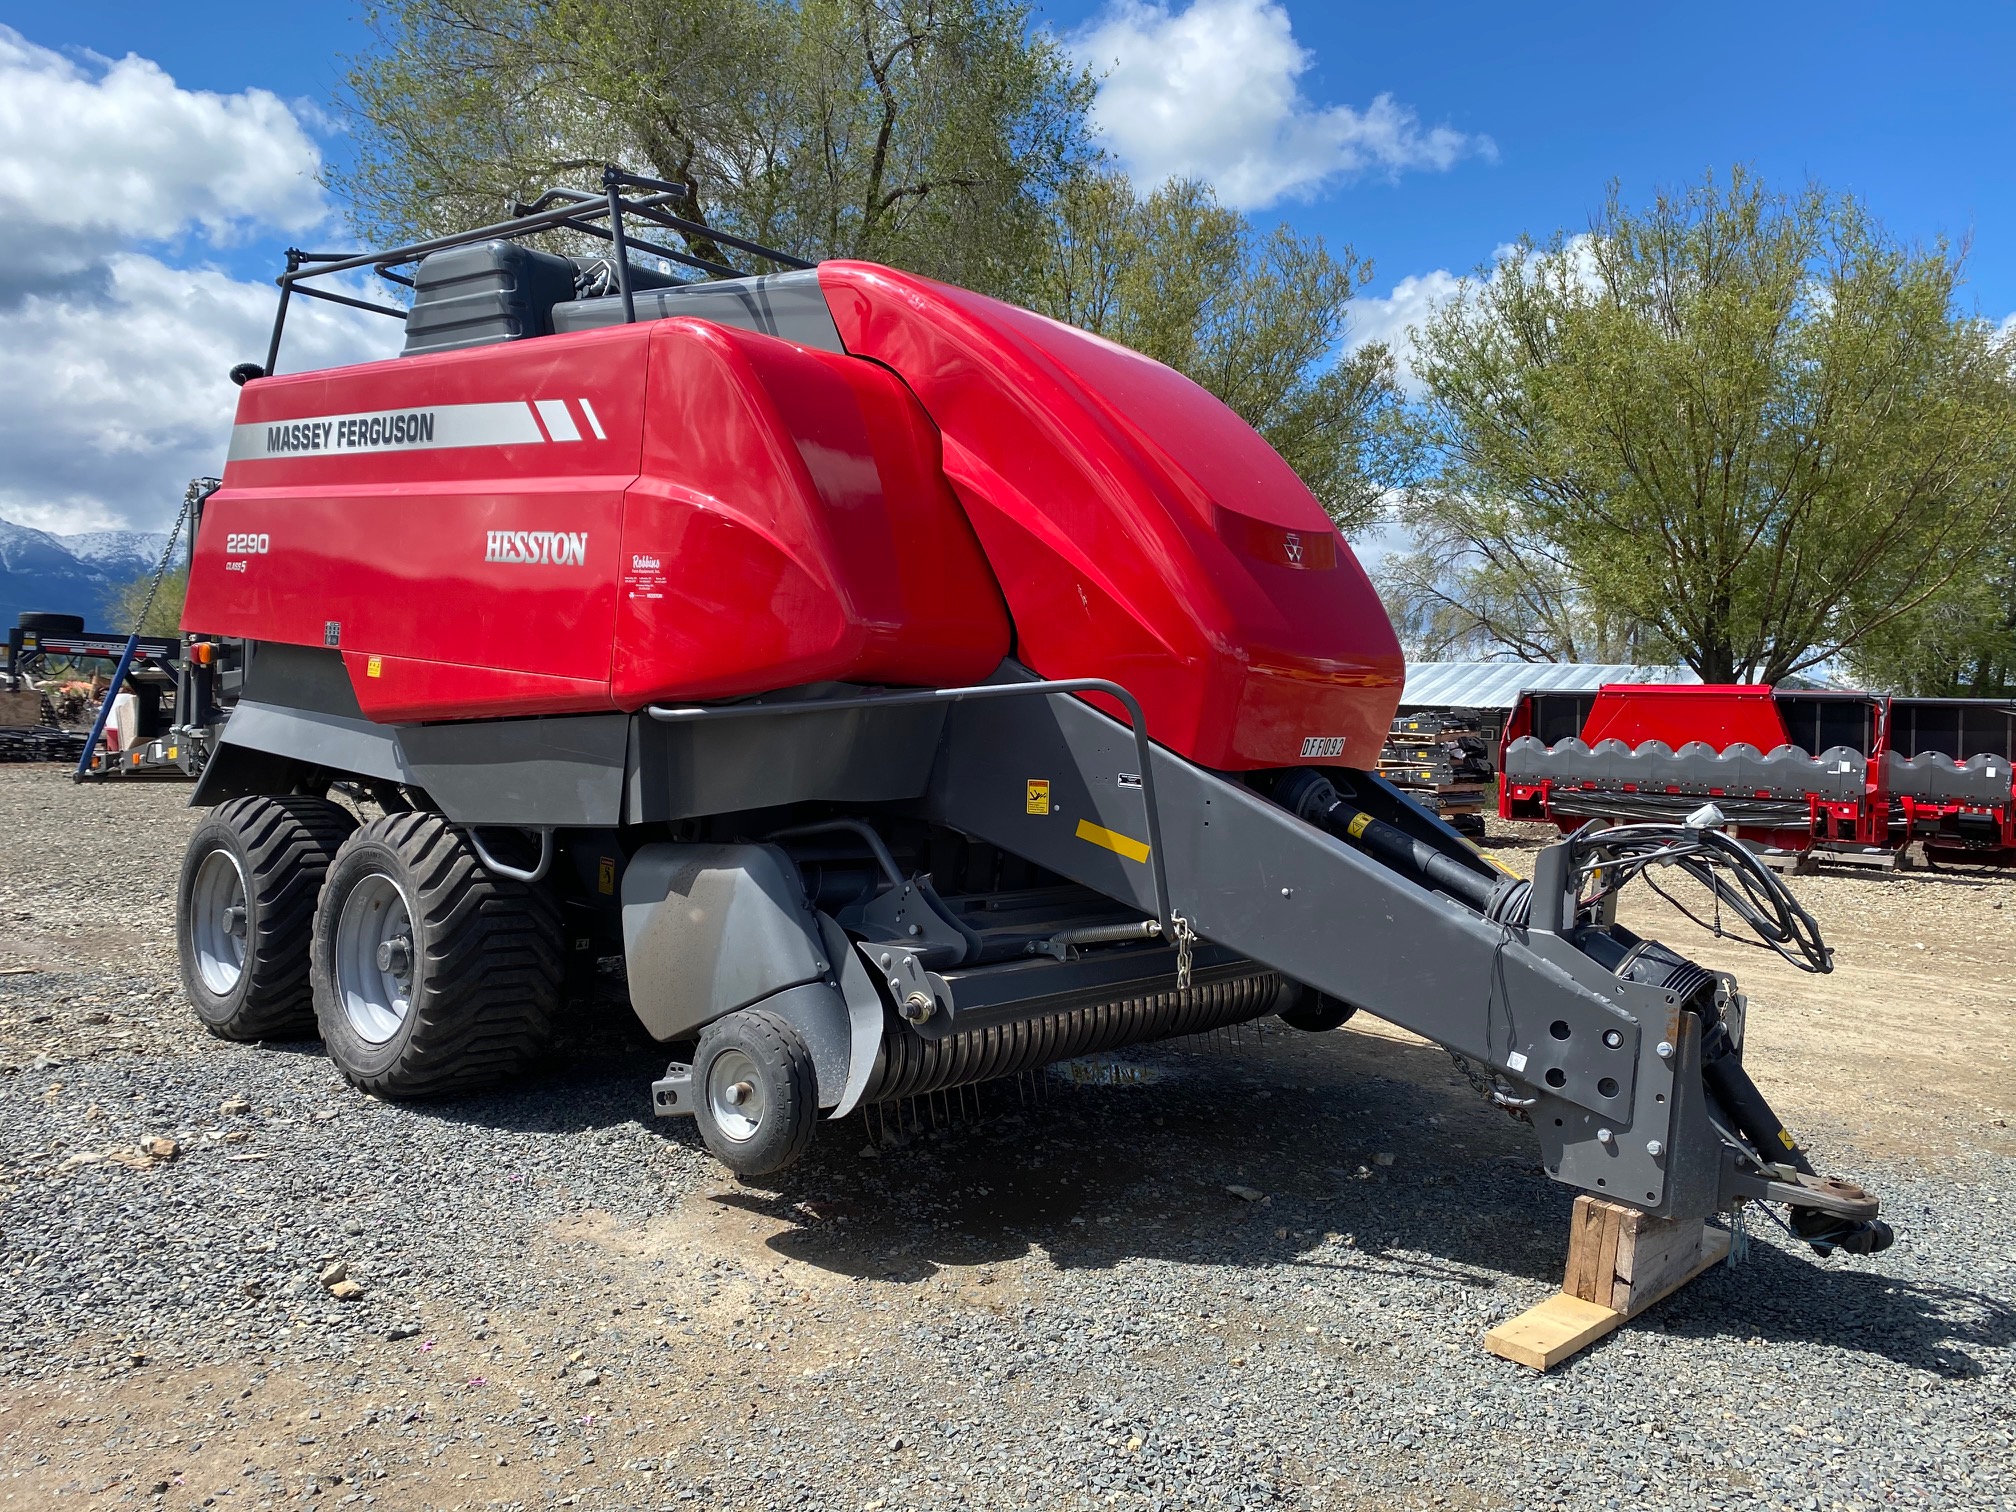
(1052, 1300)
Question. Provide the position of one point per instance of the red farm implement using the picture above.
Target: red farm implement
(1791, 770)
(910, 690)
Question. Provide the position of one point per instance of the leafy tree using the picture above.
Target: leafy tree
(125, 602)
(1482, 581)
(1258, 320)
(1747, 429)
(1960, 644)
(925, 133)
(941, 136)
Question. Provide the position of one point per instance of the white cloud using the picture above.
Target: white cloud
(122, 152)
(110, 404)
(1211, 91)
(113, 363)
(1393, 318)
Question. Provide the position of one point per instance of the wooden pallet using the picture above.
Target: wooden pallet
(1620, 1262)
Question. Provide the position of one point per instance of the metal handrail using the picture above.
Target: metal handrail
(576, 208)
(515, 873)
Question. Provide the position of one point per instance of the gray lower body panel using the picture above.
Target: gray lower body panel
(680, 771)
(594, 771)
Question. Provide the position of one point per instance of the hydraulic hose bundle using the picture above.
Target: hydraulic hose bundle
(1604, 861)
(1608, 859)
(1600, 863)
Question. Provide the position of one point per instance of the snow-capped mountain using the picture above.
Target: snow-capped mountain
(70, 574)
(116, 548)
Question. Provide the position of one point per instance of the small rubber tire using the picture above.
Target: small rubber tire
(1317, 1012)
(53, 624)
(281, 849)
(770, 1053)
(484, 957)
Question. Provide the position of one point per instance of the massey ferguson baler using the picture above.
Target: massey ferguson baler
(914, 690)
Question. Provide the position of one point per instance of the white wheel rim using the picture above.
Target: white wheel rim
(218, 922)
(374, 958)
(735, 1095)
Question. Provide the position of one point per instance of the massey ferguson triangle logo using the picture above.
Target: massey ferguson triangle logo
(1293, 545)
(537, 548)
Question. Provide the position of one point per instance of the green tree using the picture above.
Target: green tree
(124, 604)
(930, 134)
(942, 136)
(1959, 644)
(1258, 320)
(1745, 429)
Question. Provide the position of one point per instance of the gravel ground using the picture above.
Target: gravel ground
(1053, 1301)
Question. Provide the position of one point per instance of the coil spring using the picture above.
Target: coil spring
(908, 1065)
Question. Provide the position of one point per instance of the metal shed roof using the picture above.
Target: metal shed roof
(1497, 685)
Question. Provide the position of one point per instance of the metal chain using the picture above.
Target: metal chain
(1185, 938)
(1490, 1088)
(198, 490)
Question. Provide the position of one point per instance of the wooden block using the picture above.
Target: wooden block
(1620, 1262)
(1874, 857)
(1606, 1258)
(1662, 1268)
(1580, 1278)
(1542, 1337)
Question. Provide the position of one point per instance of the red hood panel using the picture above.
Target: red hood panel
(1139, 529)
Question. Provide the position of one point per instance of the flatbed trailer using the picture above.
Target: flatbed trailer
(176, 689)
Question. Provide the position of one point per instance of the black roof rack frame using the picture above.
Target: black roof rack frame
(600, 216)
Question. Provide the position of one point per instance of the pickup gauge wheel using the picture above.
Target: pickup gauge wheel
(755, 1092)
(244, 911)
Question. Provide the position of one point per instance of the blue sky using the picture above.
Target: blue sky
(1425, 136)
(1911, 107)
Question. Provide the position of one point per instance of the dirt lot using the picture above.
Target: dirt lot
(1052, 1299)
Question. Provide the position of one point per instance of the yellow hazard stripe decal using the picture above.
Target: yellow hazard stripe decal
(1113, 840)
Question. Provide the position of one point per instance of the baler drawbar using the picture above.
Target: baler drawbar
(911, 690)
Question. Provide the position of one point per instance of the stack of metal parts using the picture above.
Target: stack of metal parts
(1442, 760)
(42, 740)
(41, 744)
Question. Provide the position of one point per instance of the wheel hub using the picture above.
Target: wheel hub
(396, 956)
(735, 1095)
(374, 958)
(218, 921)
